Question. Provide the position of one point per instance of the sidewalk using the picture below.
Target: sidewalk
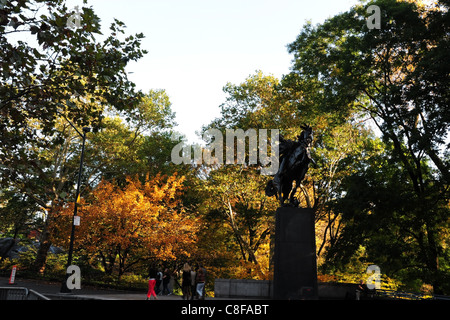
(52, 291)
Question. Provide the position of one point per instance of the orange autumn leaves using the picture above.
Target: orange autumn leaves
(135, 222)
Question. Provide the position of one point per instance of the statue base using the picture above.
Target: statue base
(295, 266)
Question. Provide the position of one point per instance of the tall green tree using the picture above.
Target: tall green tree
(236, 196)
(396, 75)
(53, 78)
(17, 213)
(132, 142)
(382, 213)
(46, 177)
(47, 66)
(262, 102)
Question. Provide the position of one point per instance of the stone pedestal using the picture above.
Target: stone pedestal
(295, 267)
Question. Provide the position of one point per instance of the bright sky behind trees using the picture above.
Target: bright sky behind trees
(197, 46)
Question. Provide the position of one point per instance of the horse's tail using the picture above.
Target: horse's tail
(270, 189)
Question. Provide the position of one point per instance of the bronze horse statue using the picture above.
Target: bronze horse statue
(294, 161)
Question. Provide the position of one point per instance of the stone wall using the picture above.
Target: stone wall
(236, 288)
(263, 289)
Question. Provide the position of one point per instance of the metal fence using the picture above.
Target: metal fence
(20, 293)
(391, 294)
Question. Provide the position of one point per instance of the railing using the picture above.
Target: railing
(397, 295)
(33, 295)
(391, 294)
(440, 297)
(20, 293)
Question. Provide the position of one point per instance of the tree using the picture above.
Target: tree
(261, 101)
(43, 78)
(17, 213)
(64, 74)
(384, 74)
(45, 173)
(235, 193)
(258, 102)
(236, 196)
(337, 152)
(133, 142)
(395, 76)
(124, 226)
(382, 213)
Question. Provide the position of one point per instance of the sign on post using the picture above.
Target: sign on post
(12, 277)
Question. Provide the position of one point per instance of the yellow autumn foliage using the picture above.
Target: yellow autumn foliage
(144, 221)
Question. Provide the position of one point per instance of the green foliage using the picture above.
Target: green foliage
(382, 201)
(381, 73)
(236, 198)
(48, 76)
(57, 76)
(394, 203)
(399, 230)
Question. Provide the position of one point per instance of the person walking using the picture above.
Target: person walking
(193, 283)
(151, 284)
(166, 281)
(159, 277)
(186, 281)
(201, 279)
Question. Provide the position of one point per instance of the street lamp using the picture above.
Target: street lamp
(64, 288)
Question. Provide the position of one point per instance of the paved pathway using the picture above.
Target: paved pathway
(52, 290)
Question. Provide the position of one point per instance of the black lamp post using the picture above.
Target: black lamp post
(64, 288)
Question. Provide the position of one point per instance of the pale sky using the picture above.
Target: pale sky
(197, 46)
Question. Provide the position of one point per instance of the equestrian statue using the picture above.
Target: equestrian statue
(294, 161)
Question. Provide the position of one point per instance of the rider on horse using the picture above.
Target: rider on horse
(294, 161)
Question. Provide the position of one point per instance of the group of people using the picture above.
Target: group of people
(192, 282)
(156, 277)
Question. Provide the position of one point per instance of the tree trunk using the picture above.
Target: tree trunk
(44, 246)
(432, 261)
(44, 242)
(108, 262)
